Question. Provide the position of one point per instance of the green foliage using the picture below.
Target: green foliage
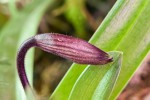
(22, 25)
(96, 82)
(126, 28)
(75, 15)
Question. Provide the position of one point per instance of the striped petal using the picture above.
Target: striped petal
(72, 48)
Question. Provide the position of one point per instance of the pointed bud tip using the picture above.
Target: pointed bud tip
(104, 61)
(110, 59)
(75, 49)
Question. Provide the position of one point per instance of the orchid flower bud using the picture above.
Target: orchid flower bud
(68, 47)
(75, 49)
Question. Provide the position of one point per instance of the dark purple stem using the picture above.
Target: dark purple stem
(20, 60)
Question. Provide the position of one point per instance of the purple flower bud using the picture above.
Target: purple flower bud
(72, 48)
(68, 47)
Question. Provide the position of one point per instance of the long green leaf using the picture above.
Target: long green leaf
(20, 27)
(96, 82)
(75, 14)
(126, 28)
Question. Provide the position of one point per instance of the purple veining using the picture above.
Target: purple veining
(67, 47)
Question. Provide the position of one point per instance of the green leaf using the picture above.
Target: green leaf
(22, 25)
(96, 82)
(126, 28)
(75, 14)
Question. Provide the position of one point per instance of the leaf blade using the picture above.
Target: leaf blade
(20, 27)
(112, 35)
(96, 82)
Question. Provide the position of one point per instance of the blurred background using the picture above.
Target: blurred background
(64, 17)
